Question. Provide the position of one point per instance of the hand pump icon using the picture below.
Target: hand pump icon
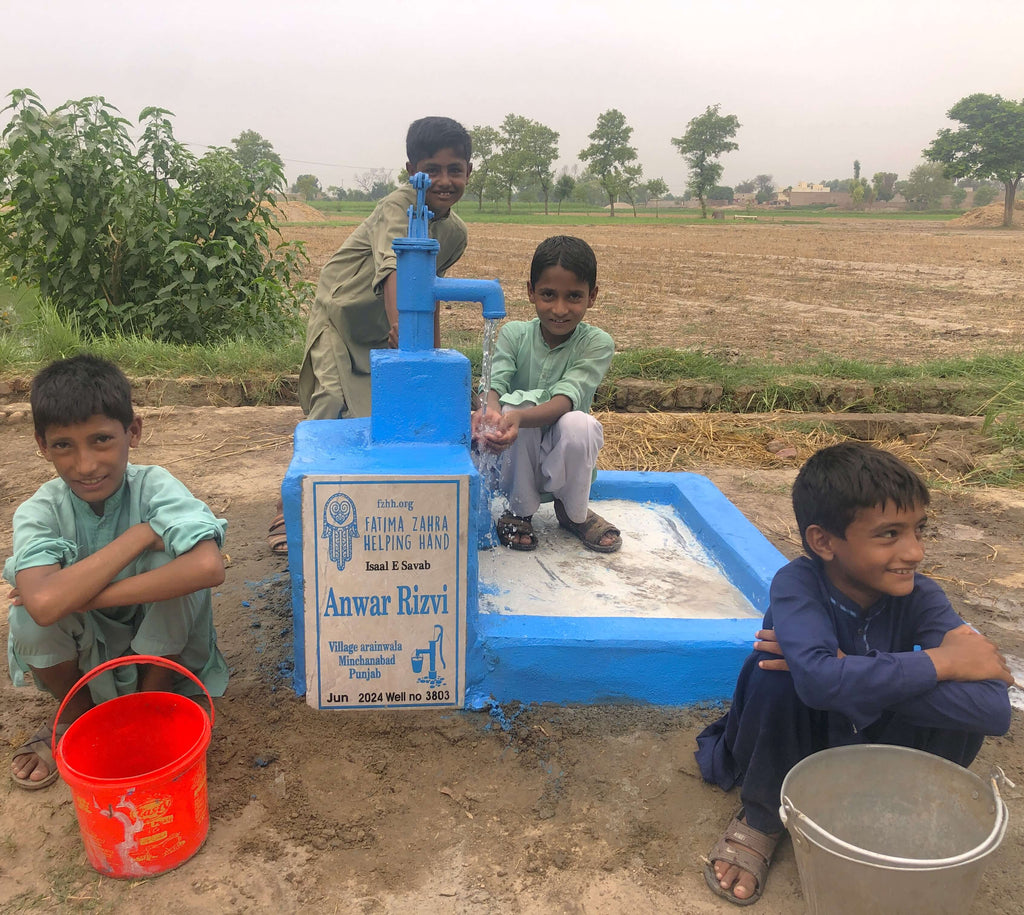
(433, 651)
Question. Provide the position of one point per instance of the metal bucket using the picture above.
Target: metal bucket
(885, 829)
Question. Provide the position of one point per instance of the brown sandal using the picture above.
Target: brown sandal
(38, 743)
(277, 537)
(512, 527)
(590, 531)
(746, 848)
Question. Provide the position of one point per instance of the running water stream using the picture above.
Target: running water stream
(487, 462)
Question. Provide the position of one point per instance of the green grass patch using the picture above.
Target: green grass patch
(990, 385)
(574, 214)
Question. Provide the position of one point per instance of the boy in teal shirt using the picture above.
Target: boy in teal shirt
(110, 559)
(543, 379)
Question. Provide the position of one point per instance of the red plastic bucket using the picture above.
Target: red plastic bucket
(136, 766)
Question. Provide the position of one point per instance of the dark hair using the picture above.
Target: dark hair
(70, 391)
(567, 251)
(428, 135)
(838, 480)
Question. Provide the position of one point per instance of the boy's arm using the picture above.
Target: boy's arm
(505, 427)
(390, 290)
(201, 567)
(51, 592)
(861, 687)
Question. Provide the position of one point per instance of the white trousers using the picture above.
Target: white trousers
(558, 459)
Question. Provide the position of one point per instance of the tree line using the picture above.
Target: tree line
(516, 160)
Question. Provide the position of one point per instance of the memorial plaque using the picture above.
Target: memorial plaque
(385, 590)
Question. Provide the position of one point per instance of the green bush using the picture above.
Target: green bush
(141, 239)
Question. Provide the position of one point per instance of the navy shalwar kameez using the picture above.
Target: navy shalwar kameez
(883, 691)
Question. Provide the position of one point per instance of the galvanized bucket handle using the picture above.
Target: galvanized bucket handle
(124, 662)
(787, 811)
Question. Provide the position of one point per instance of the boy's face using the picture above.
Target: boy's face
(561, 299)
(448, 173)
(879, 554)
(91, 457)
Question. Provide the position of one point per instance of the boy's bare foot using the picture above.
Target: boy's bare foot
(737, 867)
(33, 766)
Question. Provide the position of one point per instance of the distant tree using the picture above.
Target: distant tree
(510, 168)
(984, 195)
(253, 152)
(884, 184)
(540, 147)
(564, 187)
(856, 169)
(376, 183)
(989, 144)
(336, 192)
(925, 187)
(633, 188)
(765, 188)
(958, 195)
(308, 186)
(838, 185)
(656, 189)
(609, 156)
(746, 186)
(718, 192)
(588, 190)
(485, 148)
(708, 136)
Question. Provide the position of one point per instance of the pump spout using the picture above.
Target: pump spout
(487, 292)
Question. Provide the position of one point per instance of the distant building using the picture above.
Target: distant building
(806, 194)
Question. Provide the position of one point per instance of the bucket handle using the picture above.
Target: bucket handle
(787, 810)
(124, 662)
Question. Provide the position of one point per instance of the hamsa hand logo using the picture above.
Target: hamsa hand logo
(340, 528)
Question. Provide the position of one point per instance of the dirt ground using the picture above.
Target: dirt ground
(546, 809)
(783, 292)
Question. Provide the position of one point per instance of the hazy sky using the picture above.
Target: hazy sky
(333, 84)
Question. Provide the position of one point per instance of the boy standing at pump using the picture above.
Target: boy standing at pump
(356, 308)
(836, 665)
(110, 559)
(544, 376)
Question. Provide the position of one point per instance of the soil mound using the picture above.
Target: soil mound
(991, 215)
(297, 211)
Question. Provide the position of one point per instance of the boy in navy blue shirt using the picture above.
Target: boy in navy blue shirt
(835, 663)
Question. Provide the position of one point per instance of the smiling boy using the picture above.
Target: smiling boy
(835, 663)
(356, 309)
(356, 306)
(544, 376)
(110, 559)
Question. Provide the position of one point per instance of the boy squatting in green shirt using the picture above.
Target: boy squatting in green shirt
(110, 559)
(543, 379)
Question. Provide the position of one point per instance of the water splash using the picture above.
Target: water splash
(487, 463)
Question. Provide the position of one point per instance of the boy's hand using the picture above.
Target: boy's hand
(495, 432)
(966, 655)
(767, 642)
(14, 597)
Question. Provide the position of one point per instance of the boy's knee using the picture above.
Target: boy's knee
(579, 429)
(770, 687)
(43, 646)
